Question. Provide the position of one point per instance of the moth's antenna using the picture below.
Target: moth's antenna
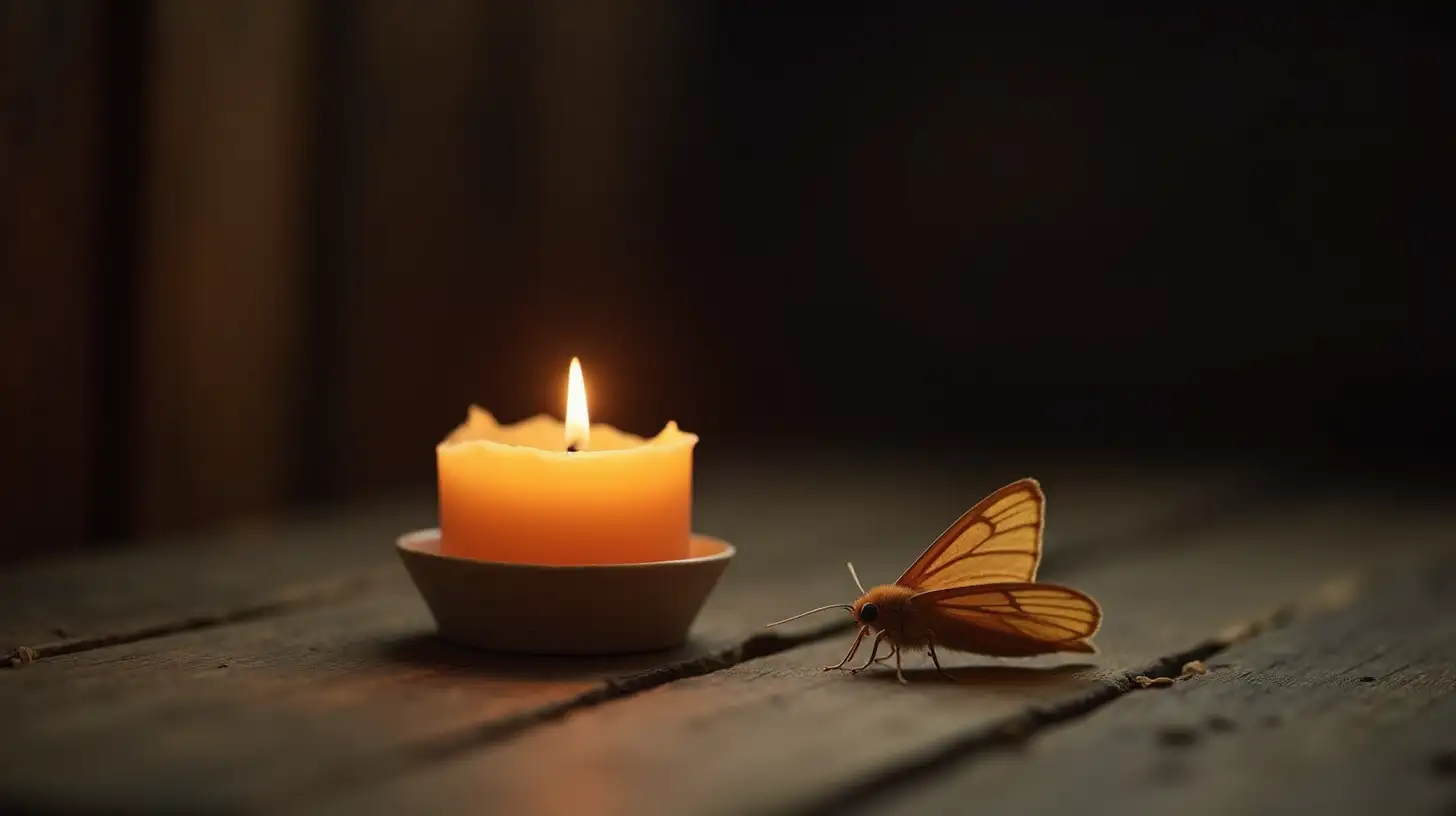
(855, 576)
(811, 612)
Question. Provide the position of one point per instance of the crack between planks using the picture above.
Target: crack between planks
(761, 644)
(283, 603)
(758, 645)
(1018, 731)
(311, 595)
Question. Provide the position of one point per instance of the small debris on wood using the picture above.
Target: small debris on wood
(22, 656)
(1367, 679)
(1193, 667)
(1336, 594)
(1240, 631)
(1218, 722)
(1146, 681)
(1177, 736)
(222, 665)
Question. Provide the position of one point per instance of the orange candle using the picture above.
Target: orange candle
(546, 492)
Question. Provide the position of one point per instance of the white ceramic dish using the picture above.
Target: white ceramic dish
(544, 609)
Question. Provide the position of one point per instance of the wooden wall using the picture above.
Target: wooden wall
(221, 298)
(260, 255)
(253, 250)
(480, 193)
(52, 137)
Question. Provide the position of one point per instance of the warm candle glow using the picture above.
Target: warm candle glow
(578, 424)
(511, 493)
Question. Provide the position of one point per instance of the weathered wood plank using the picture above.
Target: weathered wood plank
(70, 603)
(64, 603)
(362, 689)
(778, 735)
(1353, 712)
(224, 715)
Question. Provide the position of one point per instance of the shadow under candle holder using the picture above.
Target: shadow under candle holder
(564, 610)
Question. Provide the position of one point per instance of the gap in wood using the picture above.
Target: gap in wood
(1012, 732)
(762, 644)
(284, 603)
(1018, 731)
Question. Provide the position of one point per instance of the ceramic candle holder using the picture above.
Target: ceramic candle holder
(548, 609)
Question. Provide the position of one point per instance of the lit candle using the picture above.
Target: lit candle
(544, 492)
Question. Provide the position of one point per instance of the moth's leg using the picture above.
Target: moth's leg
(853, 647)
(936, 658)
(895, 652)
(875, 648)
(899, 674)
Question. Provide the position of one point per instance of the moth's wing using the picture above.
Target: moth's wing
(997, 541)
(1010, 618)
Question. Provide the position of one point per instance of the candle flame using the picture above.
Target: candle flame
(578, 424)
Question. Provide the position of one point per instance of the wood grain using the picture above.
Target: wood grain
(361, 687)
(1353, 712)
(778, 735)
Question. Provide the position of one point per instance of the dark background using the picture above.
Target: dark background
(261, 256)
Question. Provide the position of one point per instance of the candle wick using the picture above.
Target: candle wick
(571, 448)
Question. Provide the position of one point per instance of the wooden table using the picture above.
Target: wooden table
(292, 668)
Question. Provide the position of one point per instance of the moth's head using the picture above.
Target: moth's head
(866, 611)
(881, 607)
(870, 609)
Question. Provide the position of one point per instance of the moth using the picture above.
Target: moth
(974, 590)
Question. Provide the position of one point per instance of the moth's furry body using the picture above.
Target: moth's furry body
(907, 625)
(975, 590)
